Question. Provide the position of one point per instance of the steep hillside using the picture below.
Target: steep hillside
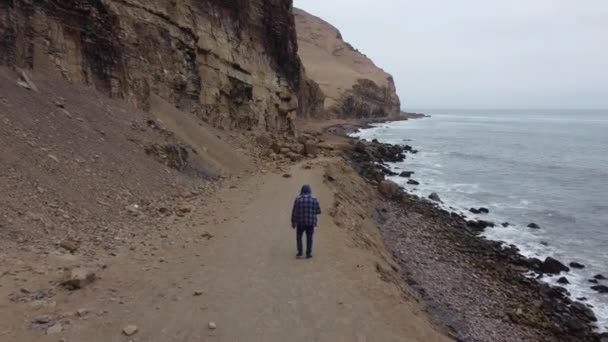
(353, 85)
(232, 63)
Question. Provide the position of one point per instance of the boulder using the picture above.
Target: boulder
(599, 277)
(576, 265)
(406, 174)
(78, 278)
(484, 210)
(593, 281)
(412, 182)
(389, 189)
(553, 266)
(600, 288)
(435, 197)
(505, 224)
(584, 310)
(480, 225)
(311, 149)
(264, 140)
(563, 280)
(533, 226)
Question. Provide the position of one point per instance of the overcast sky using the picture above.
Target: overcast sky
(481, 53)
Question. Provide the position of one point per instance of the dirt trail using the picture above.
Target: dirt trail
(252, 285)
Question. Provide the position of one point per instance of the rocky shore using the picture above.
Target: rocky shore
(476, 289)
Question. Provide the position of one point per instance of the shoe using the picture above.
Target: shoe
(309, 256)
(299, 255)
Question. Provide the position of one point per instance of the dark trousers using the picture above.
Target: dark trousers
(309, 230)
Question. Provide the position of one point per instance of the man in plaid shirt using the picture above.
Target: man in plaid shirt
(304, 218)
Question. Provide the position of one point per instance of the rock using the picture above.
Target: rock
(82, 312)
(413, 182)
(480, 225)
(212, 325)
(68, 245)
(264, 140)
(287, 175)
(553, 266)
(600, 288)
(406, 174)
(198, 293)
(505, 224)
(54, 158)
(533, 226)
(435, 197)
(593, 281)
(26, 82)
(310, 149)
(78, 278)
(184, 209)
(389, 189)
(576, 265)
(484, 210)
(475, 211)
(585, 310)
(55, 329)
(130, 330)
(599, 277)
(563, 280)
(174, 156)
(42, 323)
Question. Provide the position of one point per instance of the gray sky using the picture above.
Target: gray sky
(481, 53)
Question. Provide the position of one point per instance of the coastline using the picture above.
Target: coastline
(476, 289)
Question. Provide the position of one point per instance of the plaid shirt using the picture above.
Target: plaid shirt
(305, 211)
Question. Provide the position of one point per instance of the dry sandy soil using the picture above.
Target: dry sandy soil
(203, 257)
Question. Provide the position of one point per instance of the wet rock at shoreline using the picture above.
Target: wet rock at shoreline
(576, 265)
(406, 174)
(480, 225)
(505, 224)
(435, 197)
(584, 310)
(533, 226)
(553, 266)
(593, 281)
(563, 280)
(412, 182)
(599, 277)
(600, 288)
(480, 210)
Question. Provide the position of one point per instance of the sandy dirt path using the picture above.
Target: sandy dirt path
(245, 279)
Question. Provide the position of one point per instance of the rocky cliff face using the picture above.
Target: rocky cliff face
(233, 63)
(352, 84)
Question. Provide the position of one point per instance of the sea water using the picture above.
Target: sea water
(549, 167)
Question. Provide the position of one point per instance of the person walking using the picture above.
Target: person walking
(304, 219)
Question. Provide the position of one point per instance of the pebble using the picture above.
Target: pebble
(130, 330)
(55, 329)
(212, 325)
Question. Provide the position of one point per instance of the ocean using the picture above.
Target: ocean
(549, 167)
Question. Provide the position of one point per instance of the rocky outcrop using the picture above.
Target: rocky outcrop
(352, 84)
(232, 63)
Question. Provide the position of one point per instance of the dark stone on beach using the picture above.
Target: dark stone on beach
(593, 281)
(533, 226)
(576, 265)
(406, 174)
(563, 280)
(480, 210)
(553, 266)
(435, 197)
(505, 224)
(585, 311)
(544, 243)
(600, 288)
(599, 277)
(480, 225)
(375, 141)
(412, 182)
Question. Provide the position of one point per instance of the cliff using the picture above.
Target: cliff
(352, 84)
(232, 63)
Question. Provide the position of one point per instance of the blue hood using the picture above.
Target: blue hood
(306, 190)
